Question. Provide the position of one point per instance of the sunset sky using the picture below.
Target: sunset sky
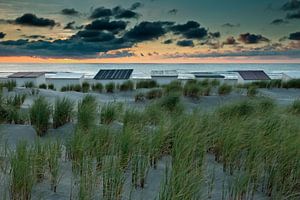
(150, 31)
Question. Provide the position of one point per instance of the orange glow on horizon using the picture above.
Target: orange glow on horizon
(27, 59)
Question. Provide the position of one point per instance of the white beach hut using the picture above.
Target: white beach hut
(230, 80)
(163, 77)
(21, 78)
(61, 79)
(183, 78)
(117, 76)
(201, 76)
(290, 75)
(4, 76)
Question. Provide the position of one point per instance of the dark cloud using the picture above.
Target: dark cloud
(248, 53)
(71, 26)
(15, 42)
(215, 34)
(197, 33)
(179, 28)
(70, 11)
(32, 20)
(229, 25)
(120, 13)
(295, 15)
(2, 35)
(147, 31)
(101, 12)
(169, 41)
(36, 37)
(294, 36)
(94, 36)
(190, 30)
(230, 41)
(173, 12)
(279, 22)
(249, 38)
(136, 5)
(185, 43)
(105, 24)
(75, 47)
(291, 5)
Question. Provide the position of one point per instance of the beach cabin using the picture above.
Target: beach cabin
(163, 77)
(137, 80)
(117, 76)
(21, 78)
(229, 80)
(249, 76)
(61, 79)
(201, 76)
(183, 78)
(287, 76)
(4, 77)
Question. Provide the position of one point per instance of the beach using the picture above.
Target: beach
(12, 134)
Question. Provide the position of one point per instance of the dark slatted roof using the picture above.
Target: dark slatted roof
(209, 76)
(253, 75)
(113, 74)
(26, 75)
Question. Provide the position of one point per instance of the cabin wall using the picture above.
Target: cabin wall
(230, 81)
(59, 83)
(242, 81)
(3, 79)
(286, 77)
(164, 80)
(136, 80)
(221, 80)
(36, 81)
(105, 82)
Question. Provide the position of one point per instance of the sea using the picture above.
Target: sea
(144, 70)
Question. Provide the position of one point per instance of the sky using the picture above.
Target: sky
(150, 31)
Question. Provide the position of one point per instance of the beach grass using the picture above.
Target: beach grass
(87, 112)
(154, 94)
(51, 86)
(40, 113)
(10, 109)
(43, 86)
(98, 87)
(110, 87)
(10, 85)
(224, 89)
(147, 84)
(39, 161)
(63, 112)
(255, 142)
(22, 177)
(108, 113)
(127, 86)
(85, 87)
(53, 159)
